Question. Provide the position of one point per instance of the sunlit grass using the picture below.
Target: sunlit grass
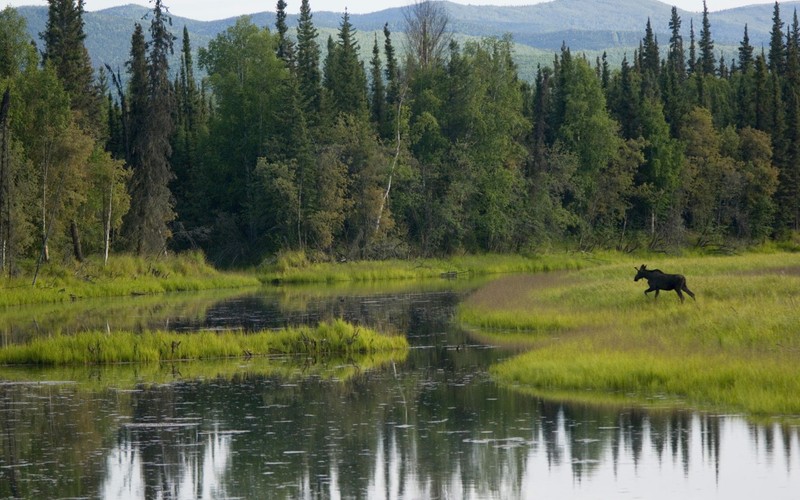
(737, 347)
(331, 339)
(300, 270)
(124, 275)
(130, 376)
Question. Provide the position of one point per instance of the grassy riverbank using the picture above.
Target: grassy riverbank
(295, 268)
(334, 339)
(595, 336)
(124, 275)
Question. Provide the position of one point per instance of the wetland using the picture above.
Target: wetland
(439, 421)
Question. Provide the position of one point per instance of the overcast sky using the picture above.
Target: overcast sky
(215, 9)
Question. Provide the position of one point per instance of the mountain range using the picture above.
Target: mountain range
(589, 26)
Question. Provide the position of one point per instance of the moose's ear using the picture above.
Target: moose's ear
(643, 266)
(636, 268)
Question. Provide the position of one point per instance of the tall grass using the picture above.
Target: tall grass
(331, 339)
(298, 269)
(737, 347)
(129, 376)
(124, 275)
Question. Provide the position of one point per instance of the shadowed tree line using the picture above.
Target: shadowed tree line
(293, 143)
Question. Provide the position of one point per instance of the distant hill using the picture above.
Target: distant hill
(589, 26)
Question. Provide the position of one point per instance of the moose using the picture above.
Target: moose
(657, 280)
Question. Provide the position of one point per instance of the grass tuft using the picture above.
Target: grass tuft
(328, 339)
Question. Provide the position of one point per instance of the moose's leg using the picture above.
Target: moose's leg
(686, 289)
(680, 295)
(657, 292)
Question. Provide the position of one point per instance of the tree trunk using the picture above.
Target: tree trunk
(107, 228)
(76, 241)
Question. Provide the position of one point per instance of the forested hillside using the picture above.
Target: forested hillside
(274, 140)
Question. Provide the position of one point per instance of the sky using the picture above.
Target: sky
(214, 9)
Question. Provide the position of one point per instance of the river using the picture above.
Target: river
(433, 426)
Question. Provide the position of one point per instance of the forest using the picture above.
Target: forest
(268, 143)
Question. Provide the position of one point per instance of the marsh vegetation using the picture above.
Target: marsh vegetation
(593, 335)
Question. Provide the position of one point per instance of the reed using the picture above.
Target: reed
(328, 339)
(593, 331)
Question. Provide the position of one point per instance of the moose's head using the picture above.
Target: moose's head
(640, 272)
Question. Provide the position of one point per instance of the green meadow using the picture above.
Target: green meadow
(592, 335)
(328, 339)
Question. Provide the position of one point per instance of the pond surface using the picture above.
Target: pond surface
(431, 426)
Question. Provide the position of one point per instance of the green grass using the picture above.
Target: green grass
(334, 339)
(593, 332)
(130, 376)
(124, 275)
(295, 268)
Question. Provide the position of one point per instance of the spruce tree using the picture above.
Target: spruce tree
(692, 49)
(308, 60)
(777, 51)
(745, 53)
(64, 39)
(675, 58)
(650, 65)
(285, 50)
(345, 78)
(788, 195)
(378, 89)
(147, 224)
(707, 59)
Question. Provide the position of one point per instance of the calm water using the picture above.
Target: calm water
(433, 426)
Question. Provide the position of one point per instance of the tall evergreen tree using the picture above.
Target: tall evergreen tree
(676, 59)
(285, 50)
(64, 39)
(308, 61)
(745, 53)
(692, 66)
(147, 224)
(777, 50)
(345, 78)
(762, 91)
(650, 66)
(788, 195)
(708, 63)
(745, 98)
(378, 88)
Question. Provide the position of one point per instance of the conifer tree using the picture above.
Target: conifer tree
(308, 60)
(777, 50)
(378, 88)
(345, 78)
(788, 195)
(286, 49)
(692, 66)
(745, 53)
(761, 92)
(147, 223)
(707, 59)
(675, 57)
(64, 39)
(745, 99)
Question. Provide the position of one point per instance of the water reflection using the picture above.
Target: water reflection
(422, 435)
(434, 426)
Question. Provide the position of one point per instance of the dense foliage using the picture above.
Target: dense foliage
(295, 144)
